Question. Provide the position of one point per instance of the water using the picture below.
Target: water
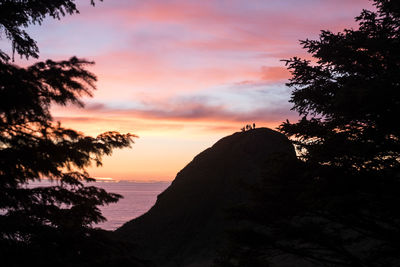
(139, 197)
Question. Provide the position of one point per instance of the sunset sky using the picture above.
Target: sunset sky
(182, 74)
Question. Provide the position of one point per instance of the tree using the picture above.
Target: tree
(349, 96)
(349, 135)
(47, 225)
(337, 206)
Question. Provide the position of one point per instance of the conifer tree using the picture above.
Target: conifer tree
(47, 225)
(338, 205)
(349, 94)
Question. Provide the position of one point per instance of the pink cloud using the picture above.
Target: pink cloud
(217, 25)
(184, 111)
(152, 54)
(274, 73)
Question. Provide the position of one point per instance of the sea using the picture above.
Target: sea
(138, 198)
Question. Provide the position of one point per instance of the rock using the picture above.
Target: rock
(187, 225)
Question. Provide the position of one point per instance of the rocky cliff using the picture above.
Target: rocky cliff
(187, 225)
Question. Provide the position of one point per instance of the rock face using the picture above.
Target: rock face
(186, 226)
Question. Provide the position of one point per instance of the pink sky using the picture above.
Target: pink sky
(182, 74)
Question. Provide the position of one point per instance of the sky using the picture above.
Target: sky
(181, 74)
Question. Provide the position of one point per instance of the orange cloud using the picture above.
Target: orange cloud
(182, 74)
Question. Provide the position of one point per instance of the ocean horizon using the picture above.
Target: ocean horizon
(138, 198)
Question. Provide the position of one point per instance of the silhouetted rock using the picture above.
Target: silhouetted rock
(187, 225)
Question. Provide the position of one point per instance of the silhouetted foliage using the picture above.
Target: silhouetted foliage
(16, 15)
(47, 225)
(349, 97)
(338, 205)
(296, 220)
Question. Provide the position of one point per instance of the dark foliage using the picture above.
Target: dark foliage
(49, 225)
(338, 205)
(336, 220)
(350, 97)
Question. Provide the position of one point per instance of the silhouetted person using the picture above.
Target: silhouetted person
(254, 125)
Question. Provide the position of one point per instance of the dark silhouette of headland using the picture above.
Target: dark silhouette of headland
(187, 225)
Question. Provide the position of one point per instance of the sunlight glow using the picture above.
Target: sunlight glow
(183, 74)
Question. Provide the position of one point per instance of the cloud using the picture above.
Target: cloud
(274, 73)
(183, 73)
(155, 52)
(187, 110)
(157, 49)
(215, 26)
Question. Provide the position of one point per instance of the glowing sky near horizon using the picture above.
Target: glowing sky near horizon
(182, 74)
